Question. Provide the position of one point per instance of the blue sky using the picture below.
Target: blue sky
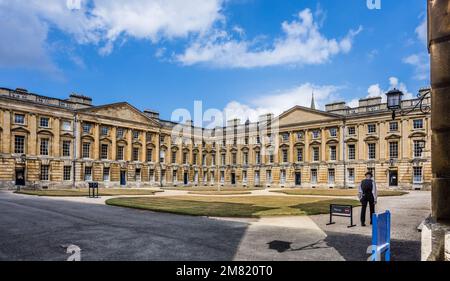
(246, 57)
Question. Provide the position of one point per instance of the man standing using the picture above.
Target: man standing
(367, 195)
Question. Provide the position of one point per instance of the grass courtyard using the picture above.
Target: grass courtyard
(83, 192)
(239, 206)
(336, 192)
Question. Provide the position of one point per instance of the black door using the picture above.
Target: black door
(233, 179)
(20, 177)
(298, 179)
(123, 178)
(393, 178)
(186, 178)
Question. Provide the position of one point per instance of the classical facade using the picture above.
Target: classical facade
(53, 143)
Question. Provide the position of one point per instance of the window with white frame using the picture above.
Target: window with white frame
(418, 124)
(185, 158)
(372, 171)
(136, 152)
(66, 148)
(19, 119)
(351, 175)
(149, 155)
(417, 175)
(120, 153)
(67, 173)
(393, 126)
(104, 131)
(244, 177)
(106, 173)
(285, 156)
(86, 151)
(136, 135)
(19, 144)
(44, 122)
(194, 158)
(66, 126)
(316, 134)
(87, 173)
(351, 131)
(316, 154)
(333, 132)
(333, 153)
(372, 151)
(245, 158)
(223, 159)
(418, 148)
(351, 152)
(258, 158)
(120, 133)
(44, 147)
(257, 178)
(331, 176)
(222, 176)
(45, 172)
(162, 156)
(393, 150)
(87, 128)
(104, 151)
(372, 128)
(299, 154)
(314, 176)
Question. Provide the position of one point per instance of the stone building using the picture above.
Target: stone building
(52, 143)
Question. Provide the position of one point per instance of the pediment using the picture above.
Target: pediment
(123, 111)
(301, 114)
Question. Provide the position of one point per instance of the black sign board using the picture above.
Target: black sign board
(345, 211)
(93, 190)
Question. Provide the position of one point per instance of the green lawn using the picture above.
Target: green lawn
(240, 206)
(212, 188)
(84, 192)
(220, 192)
(336, 192)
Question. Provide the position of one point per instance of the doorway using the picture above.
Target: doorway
(20, 176)
(393, 178)
(298, 179)
(186, 178)
(123, 178)
(233, 179)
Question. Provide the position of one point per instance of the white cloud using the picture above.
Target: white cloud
(420, 61)
(279, 102)
(301, 44)
(26, 23)
(375, 90)
(422, 32)
(421, 64)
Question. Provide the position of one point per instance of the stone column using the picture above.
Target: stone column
(439, 46)
(435, 230)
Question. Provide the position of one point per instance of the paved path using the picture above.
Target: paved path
(34, 228)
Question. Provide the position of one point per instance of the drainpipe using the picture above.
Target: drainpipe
(75, 152)
(439, 48)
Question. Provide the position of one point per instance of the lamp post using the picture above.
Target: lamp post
(394, 103)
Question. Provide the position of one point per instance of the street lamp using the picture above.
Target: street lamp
(394, 102)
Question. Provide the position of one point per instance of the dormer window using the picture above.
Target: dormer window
(372, 128)
(393, 126)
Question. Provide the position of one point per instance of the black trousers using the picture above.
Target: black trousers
(367, 199)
